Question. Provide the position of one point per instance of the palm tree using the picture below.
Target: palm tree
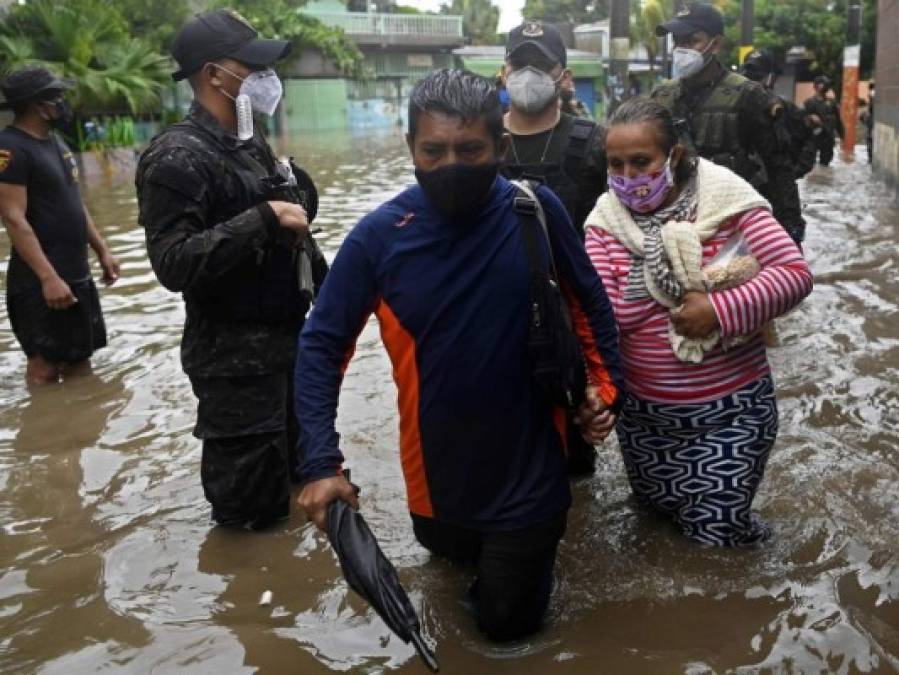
(88, 42)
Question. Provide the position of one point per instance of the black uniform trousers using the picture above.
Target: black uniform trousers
(250, 455)
(514, 570)
(825, 141)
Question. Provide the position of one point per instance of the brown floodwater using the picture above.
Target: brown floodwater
(109, 562)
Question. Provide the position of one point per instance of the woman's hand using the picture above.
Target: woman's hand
(696, 317)
(594, 418)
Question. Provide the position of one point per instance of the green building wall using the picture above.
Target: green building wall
(314, 105)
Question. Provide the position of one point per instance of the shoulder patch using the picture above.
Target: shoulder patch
(5, 159)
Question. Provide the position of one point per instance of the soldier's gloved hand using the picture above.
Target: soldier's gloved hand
(57, 293)
(291, 216)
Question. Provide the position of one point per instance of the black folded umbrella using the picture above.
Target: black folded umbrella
(370, 574)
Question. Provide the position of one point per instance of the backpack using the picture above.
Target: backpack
(557, 362)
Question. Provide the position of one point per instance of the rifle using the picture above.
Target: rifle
(292, 184)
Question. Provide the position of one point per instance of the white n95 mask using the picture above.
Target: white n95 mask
(531, 90)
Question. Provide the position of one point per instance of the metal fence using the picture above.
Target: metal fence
(372, 23)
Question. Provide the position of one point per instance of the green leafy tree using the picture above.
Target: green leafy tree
(88, 42)
(154, 21)
(479, 20)
(566, 11)
(645, 15)
(281, 19)
(818, 25)
(406, 9)
(386, 6)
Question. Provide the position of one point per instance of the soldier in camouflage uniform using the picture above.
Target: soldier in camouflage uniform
(726, 117)
(828, 111)
(215, 233)
(794, 128)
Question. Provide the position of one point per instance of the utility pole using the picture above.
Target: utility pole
(620, 47)
(746, 26)
(851, 55)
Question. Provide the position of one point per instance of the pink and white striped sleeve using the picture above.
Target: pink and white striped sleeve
(602, 263)
(782, 283)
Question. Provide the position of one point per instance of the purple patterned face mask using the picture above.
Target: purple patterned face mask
(643, 193)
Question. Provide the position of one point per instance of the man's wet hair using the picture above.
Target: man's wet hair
(457, 93)
(643, 110)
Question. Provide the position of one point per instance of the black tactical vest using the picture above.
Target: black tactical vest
(711, 127)
(264, 288)
(562, 177)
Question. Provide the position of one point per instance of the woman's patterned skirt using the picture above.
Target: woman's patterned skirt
(701, 463)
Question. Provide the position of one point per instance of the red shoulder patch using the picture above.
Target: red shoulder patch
(5, 159)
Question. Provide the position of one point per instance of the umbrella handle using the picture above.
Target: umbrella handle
(424, 651)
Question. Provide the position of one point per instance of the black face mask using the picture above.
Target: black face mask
(458, 190)
(64, 114)
(566, 95)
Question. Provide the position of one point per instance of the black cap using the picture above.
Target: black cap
(822, 80)
(30, 83)
(697, 16)
(758, 63)
(215, 35)
(543, 36)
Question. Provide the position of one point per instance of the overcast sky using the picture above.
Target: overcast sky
(509, 16)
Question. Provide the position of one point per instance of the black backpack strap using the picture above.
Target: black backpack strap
(533, 220)
(557, 361)
(526, 209)
(579, 141)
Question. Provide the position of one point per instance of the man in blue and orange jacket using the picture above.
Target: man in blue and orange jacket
(443, 267)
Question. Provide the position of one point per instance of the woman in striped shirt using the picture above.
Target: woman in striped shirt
(701, 415)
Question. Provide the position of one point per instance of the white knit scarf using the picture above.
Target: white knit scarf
(720, 195)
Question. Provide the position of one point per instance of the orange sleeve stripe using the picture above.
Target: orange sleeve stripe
(347, 358)
(401, 348)
(560, 422)
(596, 369)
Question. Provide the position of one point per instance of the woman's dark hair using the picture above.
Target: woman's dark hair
(643, 110)
(458, 93)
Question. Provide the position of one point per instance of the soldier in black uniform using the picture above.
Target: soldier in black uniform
(726, 117)
(547, 144)
(53, 303)
(795, 129)
(221, 229)
(827, 110)
(867, 118)
(563, 151)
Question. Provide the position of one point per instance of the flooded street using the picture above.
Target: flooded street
(109, 562)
